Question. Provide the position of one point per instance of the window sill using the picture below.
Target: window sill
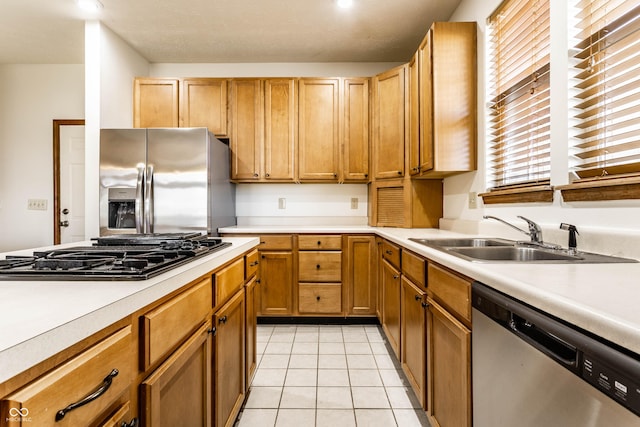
(537, 194)
(601, 189)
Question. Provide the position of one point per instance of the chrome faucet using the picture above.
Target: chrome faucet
(535, 232)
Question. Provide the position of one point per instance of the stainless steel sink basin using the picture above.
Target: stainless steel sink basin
(494, 250)
(464, 242)
(514, 253)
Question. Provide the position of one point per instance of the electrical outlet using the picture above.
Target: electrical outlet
(282, 203)
(473, 200)
(37, 204)
(354, 203)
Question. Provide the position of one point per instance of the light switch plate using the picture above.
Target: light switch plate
(37, 204)
(473, 200)
(282, 203)
(354, 203)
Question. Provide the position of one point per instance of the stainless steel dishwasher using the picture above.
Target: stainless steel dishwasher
(530, 369)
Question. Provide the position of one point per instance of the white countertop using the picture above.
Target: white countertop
(601, 298)
(41, 318)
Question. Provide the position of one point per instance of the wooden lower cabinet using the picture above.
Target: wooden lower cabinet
(449, 369)
(360, 278)
(49, 401)
(229, 360)
(179, 391)
(276, 283)
(414, 338)
(391, 305)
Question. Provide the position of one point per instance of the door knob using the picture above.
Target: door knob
(64, 223)
(65, 211)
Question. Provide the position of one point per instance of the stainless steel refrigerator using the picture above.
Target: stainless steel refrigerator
(165, 180)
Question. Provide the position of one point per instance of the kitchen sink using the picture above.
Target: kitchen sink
(464, 242)
(495, 250)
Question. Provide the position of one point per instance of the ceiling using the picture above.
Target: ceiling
(223, 31)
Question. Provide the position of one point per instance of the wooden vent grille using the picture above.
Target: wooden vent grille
(390, 206)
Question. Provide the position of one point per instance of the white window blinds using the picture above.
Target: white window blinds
(519, 143)
(606, 137)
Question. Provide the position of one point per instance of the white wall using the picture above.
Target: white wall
(31, 97)
(110, 67)
(606, 218)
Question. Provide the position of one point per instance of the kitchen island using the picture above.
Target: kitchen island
(41, 318)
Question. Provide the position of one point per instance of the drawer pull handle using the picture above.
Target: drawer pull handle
(253, 264)
(418, 297)
(388, 252)
(222, 320)
(133, 423)
(102, 389)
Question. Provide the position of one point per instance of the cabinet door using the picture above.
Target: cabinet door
(276, 275)
(280, 103)
(229, 356)
(355, 130)
(413, 338)
(251, 331)
(155, 103)
(448, 98)
(449, 355)
(389, 113)
(391, 305)
(414, 115)
(318, 130)
(246, 129)
(182, 381)
(204, 104)
(361, 279)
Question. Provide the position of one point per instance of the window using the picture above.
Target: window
(605, 145)
(518, 148)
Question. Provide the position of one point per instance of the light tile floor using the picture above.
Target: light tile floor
(328, 375)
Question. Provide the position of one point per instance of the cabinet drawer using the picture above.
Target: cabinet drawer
(73, 381)
(251, 264)
(391, 253)
(414, 267)
(320, 298)
(166, 326)
(228, 280)
(320, 242)
(451, 290)
(315, 266)
(275, 242)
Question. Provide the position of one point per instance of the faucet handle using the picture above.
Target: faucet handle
(535, 232)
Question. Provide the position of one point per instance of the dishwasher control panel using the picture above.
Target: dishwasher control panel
(619, 387)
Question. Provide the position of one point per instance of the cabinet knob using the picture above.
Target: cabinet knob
(319, 242)
(399, 172)
(318, 298)
(425, 304)
(267, 175)
(318, 266)
(395, 276)
(255, 175)
(223, 320)
(366, 175)
(418, 297)
(132, 423)
(388, 252)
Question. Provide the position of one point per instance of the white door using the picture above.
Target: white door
(71, 184)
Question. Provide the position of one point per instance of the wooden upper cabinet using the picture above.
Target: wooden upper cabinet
(246, 139)
(318, 128)
(204, 104)
(355, 129)
(448, 99)
(389, 115)
(413, 129)
(155, 102)
(280, 109)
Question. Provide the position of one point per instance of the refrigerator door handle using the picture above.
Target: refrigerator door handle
(139, 208)
(148, 201)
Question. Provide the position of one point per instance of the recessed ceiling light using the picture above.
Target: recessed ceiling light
(89, 5)
(345, 4)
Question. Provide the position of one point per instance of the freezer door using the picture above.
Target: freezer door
(179, 197)
(122, 157)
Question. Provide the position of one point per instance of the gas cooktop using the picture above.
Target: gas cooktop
(118, 257)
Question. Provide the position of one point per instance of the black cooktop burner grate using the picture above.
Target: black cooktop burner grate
(119, 259)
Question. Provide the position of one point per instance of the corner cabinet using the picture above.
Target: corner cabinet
(447, 80)
(389, 123)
